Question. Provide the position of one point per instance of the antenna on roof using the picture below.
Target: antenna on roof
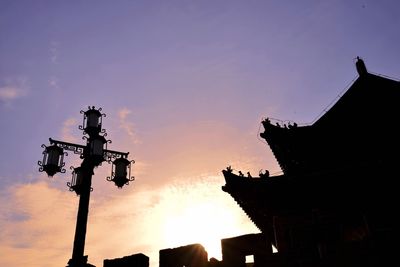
(360, 66)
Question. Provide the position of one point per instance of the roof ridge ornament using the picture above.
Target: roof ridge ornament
(360, 66)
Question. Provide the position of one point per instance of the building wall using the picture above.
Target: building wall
(136, 260)
(189, 256)
(235, 250)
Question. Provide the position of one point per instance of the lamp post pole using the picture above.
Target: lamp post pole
(78, 258)
(93, 154)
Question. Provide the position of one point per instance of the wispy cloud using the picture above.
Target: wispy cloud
(127, 125)
(8, 93)
(54, 53)
(53, 82)
(67, 132)
(13, 89)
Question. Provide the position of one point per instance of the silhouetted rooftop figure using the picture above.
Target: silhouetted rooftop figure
(229, 168)
(241, 173)
(361, 68)
(291, 126)
(264, 175)
(249, 175)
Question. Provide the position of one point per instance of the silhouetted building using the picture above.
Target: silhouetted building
(189, 256)
(136, 260)
(235, 250)
(335, 203)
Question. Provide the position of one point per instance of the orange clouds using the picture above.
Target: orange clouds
(36, 226)
(127, 125)
(187, 150)
(175, 200)
(69, 131)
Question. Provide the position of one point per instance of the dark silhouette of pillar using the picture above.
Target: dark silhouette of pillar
(78, 259)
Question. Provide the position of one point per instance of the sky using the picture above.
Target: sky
(185, 86)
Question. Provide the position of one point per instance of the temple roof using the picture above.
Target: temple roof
(345, 160)
(358, 130)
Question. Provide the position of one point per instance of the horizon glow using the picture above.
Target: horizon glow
(185, 85)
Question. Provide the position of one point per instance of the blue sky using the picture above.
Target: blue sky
(184, 84)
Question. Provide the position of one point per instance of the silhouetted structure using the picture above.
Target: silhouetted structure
(189, 256)
(92, 154)
(136, 260)
(335, 204)
(235, 250)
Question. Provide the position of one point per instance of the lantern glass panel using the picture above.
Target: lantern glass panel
(97, 147)
(79, 177)
(121, 168)
(53, 156)
(92, 119)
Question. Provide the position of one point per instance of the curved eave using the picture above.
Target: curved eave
(254, 196)
(290, 146)
(263, 198)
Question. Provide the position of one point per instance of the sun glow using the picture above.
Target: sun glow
(201, 222)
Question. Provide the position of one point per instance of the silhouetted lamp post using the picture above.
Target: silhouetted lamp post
(92, 154)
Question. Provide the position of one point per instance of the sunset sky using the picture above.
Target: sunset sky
(185, 86)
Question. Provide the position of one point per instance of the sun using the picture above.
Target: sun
(202, 222)
(199, 212)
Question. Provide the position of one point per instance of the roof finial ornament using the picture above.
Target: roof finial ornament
(360, 66)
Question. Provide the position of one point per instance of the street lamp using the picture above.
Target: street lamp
(96, 148)
(76, 183)
(92, 120)
(119, 172)
(53, 160)
(93, 154)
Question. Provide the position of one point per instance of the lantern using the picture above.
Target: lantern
(121, 172)
(76, 183)
(53, 160)
(96, 149)
(92, 120)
